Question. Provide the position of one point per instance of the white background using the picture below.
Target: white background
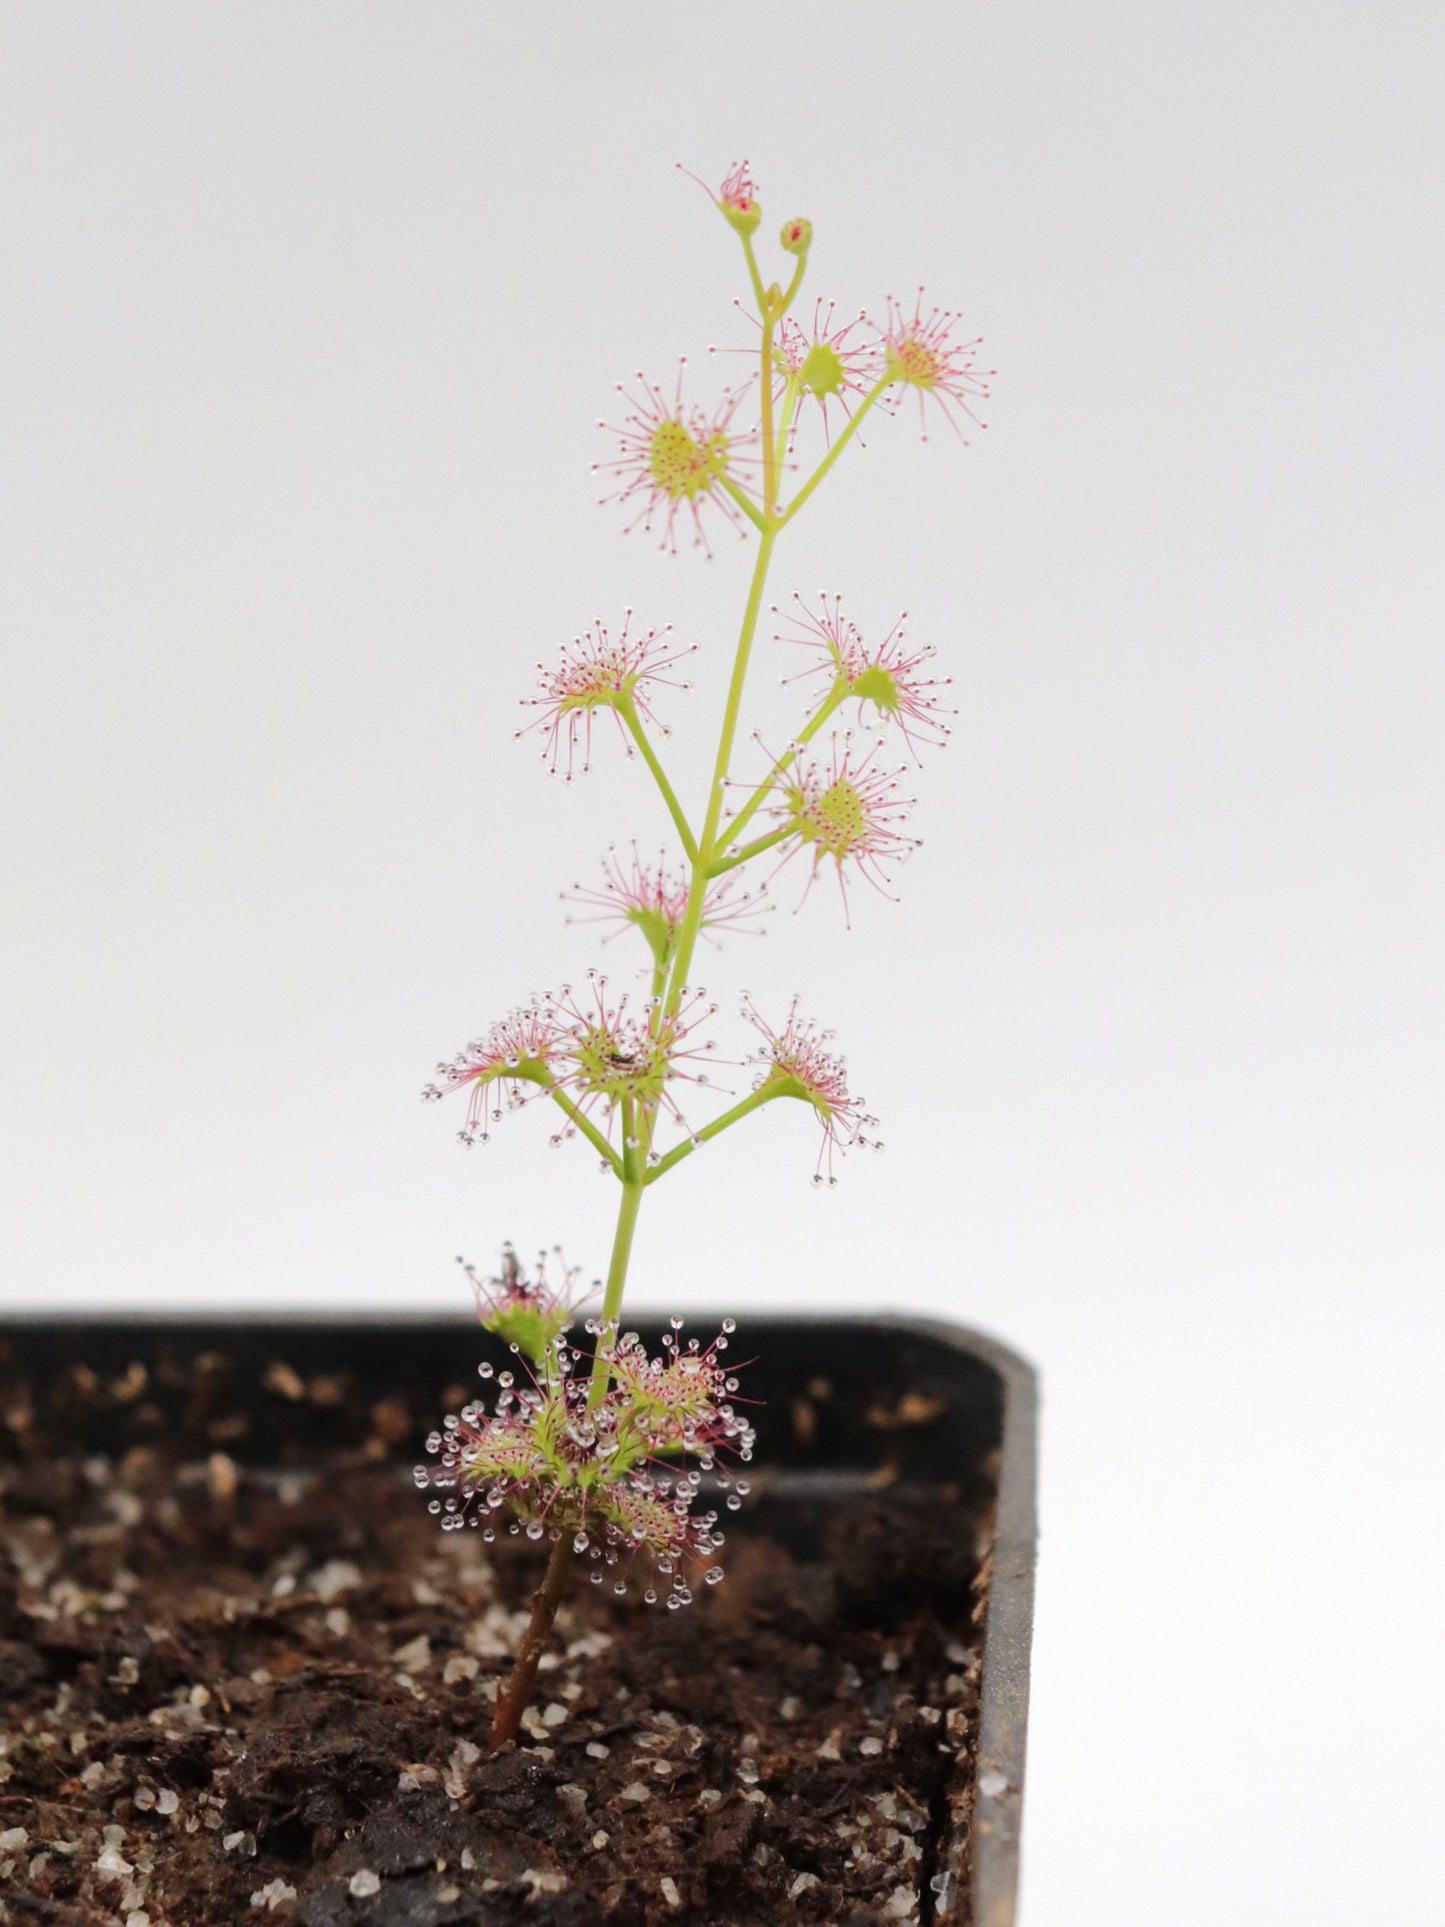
(308, 314)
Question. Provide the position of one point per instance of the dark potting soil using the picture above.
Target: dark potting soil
(231, 1693)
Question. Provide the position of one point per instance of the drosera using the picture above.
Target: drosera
(844, 811)
(674, 459)
(886, 678)
(601, 671)
(920, 352)
(797, 1062)
(615, 1459)
(599, 1452)
(652, 899)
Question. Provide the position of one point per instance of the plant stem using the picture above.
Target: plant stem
(837, 696)
(754, 1101)
(585, 1125)
(770, 453)
(723, 864)
(632, 1190)
(745, 502)
(854, 420)
(790, 408)
(707, 844)
(512, 1701)
(627, 710)
(759, 292)
(621, 1249)
(794, 285)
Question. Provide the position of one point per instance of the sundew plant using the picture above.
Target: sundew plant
(594, 1447)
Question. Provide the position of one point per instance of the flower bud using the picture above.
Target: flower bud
(743, 216)
(797, 236)
(738, 201)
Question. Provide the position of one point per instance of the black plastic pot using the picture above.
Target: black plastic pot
(843, 1404)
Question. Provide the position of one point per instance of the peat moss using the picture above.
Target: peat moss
(231, 1694)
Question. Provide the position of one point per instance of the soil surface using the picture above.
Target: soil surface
(228, 1693)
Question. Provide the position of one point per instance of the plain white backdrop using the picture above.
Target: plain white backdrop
(308, 313)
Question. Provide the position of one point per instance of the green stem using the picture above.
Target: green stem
(837, 696)
(794, 285)
(770, 454)
(585, 1125)
(745, 502)
(627, 709)
(854, 422)
(759, 292)
(707, 843)
(627, 1211)
(749, 850)
(785, 423)
(754, 1101)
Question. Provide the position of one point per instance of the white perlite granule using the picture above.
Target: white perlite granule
(274, 1894)
(364, 1884)
(543, 1883)
(336, 1576)
(669, 1891)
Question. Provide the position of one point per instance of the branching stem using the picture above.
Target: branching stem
(585, 1125)
(837, 696)
(750, 850)
(754, 1101)
(855, 421)
(627, 709)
